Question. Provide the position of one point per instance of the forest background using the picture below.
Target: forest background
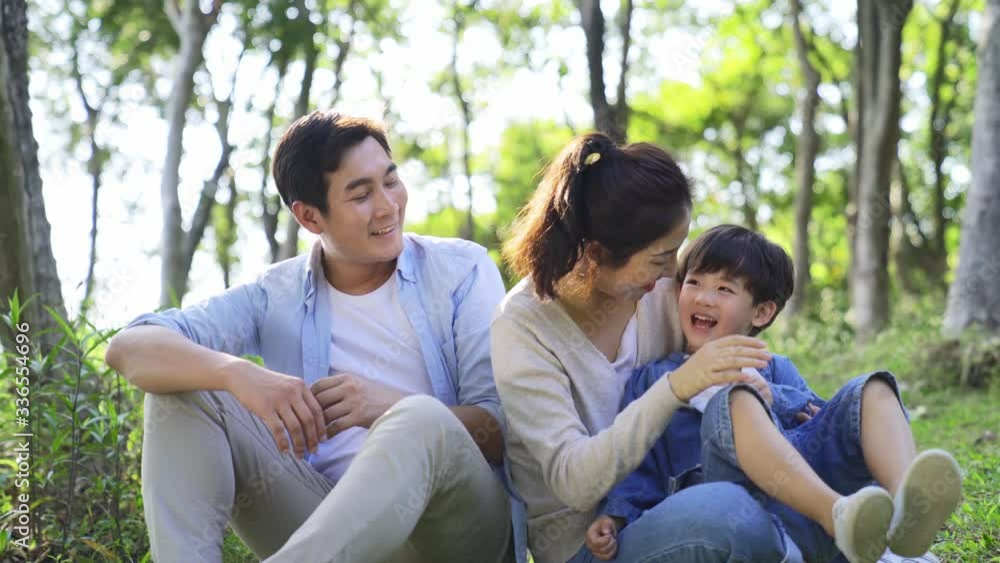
(136, 138)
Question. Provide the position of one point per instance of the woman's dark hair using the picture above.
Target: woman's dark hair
(623, 198)
(764, 267)
(314, 145)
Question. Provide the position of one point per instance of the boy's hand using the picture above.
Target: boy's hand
(602, 537)
(719, 362)
(807, 413)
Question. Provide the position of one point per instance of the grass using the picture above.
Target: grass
(963, 421)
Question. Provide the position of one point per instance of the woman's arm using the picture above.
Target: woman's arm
(580, 469)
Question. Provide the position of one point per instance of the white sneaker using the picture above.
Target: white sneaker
(890, 557)
(930, 492)
(861, 523)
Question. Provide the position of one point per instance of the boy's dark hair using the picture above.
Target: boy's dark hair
(765, 267)
(313, 146)
(623, 198)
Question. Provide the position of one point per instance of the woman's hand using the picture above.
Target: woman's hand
(718, 362)
(602, 537)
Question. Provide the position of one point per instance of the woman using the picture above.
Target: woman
(597, 246)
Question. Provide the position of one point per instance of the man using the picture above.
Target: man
(369, 432)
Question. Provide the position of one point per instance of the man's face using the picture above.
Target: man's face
(713, 305)
(366, 206)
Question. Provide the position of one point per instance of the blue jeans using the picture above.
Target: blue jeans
(709, 523)
(830, 443)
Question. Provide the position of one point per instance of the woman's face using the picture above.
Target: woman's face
(639, 275)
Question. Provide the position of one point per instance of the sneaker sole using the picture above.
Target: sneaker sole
(871, 526)
(931, 490)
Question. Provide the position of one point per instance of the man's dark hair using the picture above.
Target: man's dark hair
(740, 253)
(313, 146)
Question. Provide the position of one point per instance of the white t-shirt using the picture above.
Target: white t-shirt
(370, 337)
(700, 401)
(628, 352)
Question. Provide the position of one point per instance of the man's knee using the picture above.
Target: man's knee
(427, 421)
(421, 416)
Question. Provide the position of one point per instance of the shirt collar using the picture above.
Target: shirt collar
(314, 266)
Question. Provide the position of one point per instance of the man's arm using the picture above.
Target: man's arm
(479, 405)
(485, 431)
(158, 360)
(198, 349)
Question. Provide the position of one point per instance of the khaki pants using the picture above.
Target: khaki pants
(418, 491)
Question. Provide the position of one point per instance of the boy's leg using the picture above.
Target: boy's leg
(860, 436)
(419, 490)
(868, 437)
(744, 443)
(208, 462)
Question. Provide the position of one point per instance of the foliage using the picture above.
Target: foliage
(85, 452)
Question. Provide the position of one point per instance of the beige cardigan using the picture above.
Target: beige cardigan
(567, 445)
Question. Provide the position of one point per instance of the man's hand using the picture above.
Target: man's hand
(757, 381)
(718, 363)
(807, 413)
(282, 402)
(349, 400)
(602, 537)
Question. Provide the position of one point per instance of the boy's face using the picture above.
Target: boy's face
(713, 305)
(366, 206)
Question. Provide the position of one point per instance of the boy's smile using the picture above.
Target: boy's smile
(713, 305)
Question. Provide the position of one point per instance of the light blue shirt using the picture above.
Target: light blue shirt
(448, 289)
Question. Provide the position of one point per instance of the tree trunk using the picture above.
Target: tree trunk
(805, 163)
(936, 254)
(95, 168)
(26, 260)
(270, 204)
(290, 246)
(192, 27)
(905, 254)
(880, 23)
(468, 231)
(227, 236)
(611, 120)
(974, 297)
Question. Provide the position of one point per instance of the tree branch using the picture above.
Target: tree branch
(625, 25)
(173, 11)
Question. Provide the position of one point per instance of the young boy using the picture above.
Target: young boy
(801, 454)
